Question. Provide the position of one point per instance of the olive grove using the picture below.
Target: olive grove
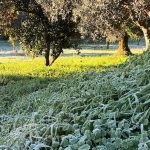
(44, 25)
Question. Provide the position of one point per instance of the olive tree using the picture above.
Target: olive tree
(139, 12)
(40, 31)
(103, 18)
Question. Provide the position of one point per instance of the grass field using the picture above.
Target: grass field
(81, 102)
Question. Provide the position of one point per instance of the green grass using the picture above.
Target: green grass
(23, 76)
(78, 103)
(64, 65)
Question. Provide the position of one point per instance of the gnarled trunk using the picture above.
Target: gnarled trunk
(145, 27)
(123, 48)
(146, 33)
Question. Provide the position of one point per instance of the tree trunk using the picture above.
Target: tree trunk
(47, 52)
(123, 48)
(144, 26)
(56, 55)
(146, 33)
(107, 45)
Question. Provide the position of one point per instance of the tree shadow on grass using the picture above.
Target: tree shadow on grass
(22, 95)
(13, 87)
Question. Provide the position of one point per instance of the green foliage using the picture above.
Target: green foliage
(31, 35)
(39, 31)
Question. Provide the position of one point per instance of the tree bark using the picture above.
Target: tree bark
(146, 33)
(47, 52)
(123, 48)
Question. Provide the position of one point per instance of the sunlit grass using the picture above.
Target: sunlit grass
(64, 65)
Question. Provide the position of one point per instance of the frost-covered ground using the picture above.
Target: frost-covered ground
(79, 103)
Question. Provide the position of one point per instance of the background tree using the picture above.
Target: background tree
(104, 19)
(7, 16)
(138, 12)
